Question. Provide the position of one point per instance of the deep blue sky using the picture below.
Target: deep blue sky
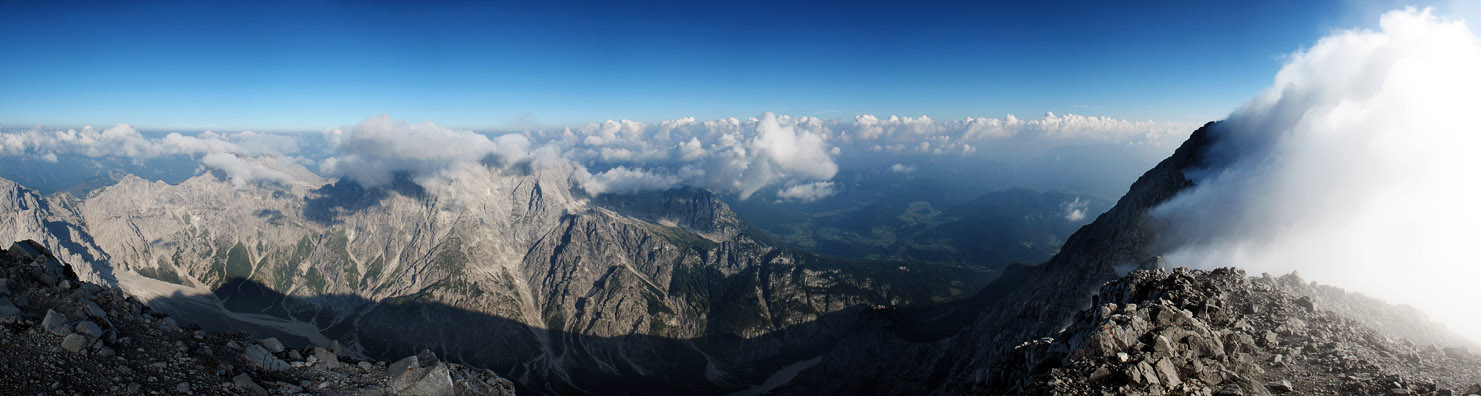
(205, 64)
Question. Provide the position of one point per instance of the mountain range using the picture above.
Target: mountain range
(655, 293)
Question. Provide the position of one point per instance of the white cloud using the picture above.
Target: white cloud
(902, 168)
(622, 180)
(1075, 211)
(241, 172)
(228, 152)
(806, 192)
(373, 151)
(1357, 167)
(730, 156)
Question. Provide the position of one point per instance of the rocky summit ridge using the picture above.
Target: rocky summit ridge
(61, 335)
(1195, 332)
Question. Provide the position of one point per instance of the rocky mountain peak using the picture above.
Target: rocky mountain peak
(693, 209)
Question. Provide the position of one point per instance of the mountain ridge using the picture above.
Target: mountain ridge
(341, 257)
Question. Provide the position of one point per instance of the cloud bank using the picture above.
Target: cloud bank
(782, 157)
(1358, 167)
(232, 153)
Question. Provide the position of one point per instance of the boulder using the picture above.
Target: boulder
(1306, 303)
(264, 359)
(1168, 373)
(89, 329)
(1281, 386)
(325, 357)
(1231, 390)
(9, 313)
(427, 381)
(244, 382)
(92, 309)
(417, 376)
(56, 323)
(74, 343)
(272, 344)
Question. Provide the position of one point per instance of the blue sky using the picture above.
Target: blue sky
(311, 65)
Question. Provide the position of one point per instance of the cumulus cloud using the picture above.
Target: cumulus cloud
(1357, 167)
(1075, 210)
(622, 180)
(806, 192)
(902, 168)
(241, 172)
(375, 150)
(232, 153)
(765, 154)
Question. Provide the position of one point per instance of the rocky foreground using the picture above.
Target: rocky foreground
(62, 336)
(1193, 332)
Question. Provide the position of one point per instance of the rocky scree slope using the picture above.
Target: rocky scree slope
(1219, 332)
(59, 335)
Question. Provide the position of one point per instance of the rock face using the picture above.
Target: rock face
(668, 292)
(1206, 332)
(127, 352)
(54, 223)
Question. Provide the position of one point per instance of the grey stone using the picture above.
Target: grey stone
(1161, 346)
(89, 329)
(9, 313)
(183, 387)
(1168, 373)
(1230, 390)
(244, 382)
(74, 343)
(404, 365)
(56, 323)
(272, 344)
(1142, 373)
(335, 347)
(326, 357)
(1306, 302)
(427, 381)
(1281, 386)
(264, 359)
(92, 309)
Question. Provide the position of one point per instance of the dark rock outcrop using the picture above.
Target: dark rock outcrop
(65, 336)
